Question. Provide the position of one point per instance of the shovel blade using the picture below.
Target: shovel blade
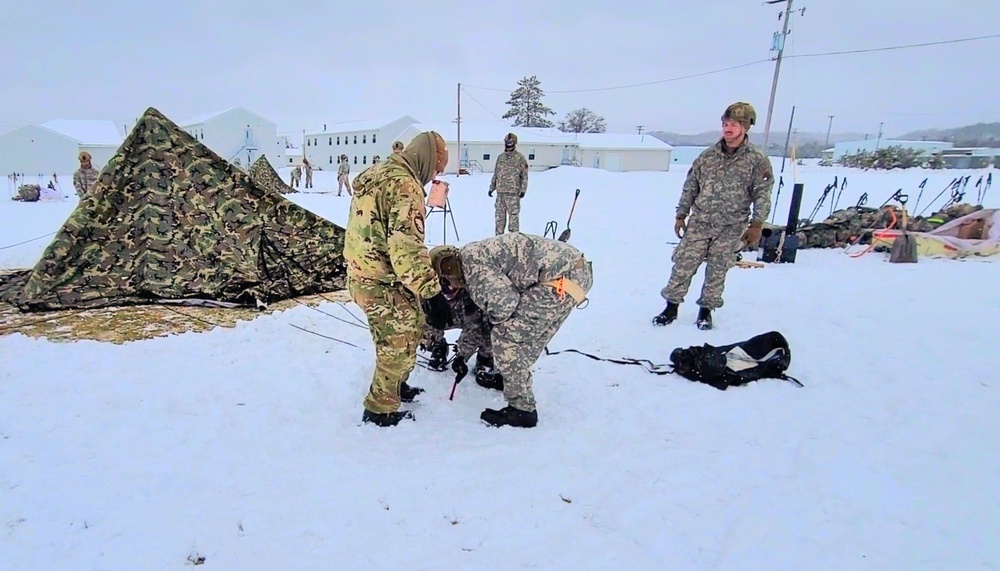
(564, 237)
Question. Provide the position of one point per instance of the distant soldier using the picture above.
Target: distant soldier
(723, 182)
(85, 176)
(343, 170)
(526, 286)
(464, 315)
(397, 146)
(309, 172)
(510, 182)
(296, 176)
(389, 272)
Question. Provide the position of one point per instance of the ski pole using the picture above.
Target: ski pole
(920, 194)
(951, 185)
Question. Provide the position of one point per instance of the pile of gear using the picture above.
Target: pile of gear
(28, 193)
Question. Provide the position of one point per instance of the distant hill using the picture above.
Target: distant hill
(809, 144)
(978, 135)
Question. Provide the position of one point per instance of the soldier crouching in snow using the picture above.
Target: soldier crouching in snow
(475, 336)
(526, 286)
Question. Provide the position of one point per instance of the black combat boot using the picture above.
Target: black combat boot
(439, 357)
(668, 315)
(490, 380)
(510, 416)
(408, 393)
(704, 318)
(386, 419)
(483, 363)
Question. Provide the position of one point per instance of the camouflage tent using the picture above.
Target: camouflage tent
(168, 219)
(263, 175)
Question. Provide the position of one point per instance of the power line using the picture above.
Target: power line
(749, 64)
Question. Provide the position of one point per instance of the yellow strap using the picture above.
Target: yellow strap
(564, 285)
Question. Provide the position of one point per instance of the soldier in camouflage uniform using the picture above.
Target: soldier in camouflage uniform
(510, 182)
(397, 146)
(296, 176)
(28, 193)
(463, 314)
(721, 185)
(343, 170)
(84, 177)
(309, 172)
(389, 271)
(526, 286)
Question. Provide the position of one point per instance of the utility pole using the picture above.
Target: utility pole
(828, 128)
(458, 142)
(780, 41)
(879, 141)
(639, 128)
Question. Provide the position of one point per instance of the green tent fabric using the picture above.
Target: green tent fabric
(263, 175)
(168, 219)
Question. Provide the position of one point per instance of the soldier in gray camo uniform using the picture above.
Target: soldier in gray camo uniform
(723, 182)
(509, 182)
(526, 286)
(464, 315)
(85, 176)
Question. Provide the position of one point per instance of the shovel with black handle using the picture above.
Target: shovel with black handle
(564, 237)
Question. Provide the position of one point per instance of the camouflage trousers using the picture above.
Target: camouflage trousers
(309, 180)
(295, 181)
(475, 337)
(342, 181)
(716, 247)
(396, 323)
(508, 212)
(519, 341)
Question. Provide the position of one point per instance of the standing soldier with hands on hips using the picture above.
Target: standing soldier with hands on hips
(723, 182)
(510, 182)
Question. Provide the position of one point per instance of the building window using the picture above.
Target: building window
(486, 156)
(364, 139)
(355, 157)
(315, 144)
(331, 159)
(308, 143)
(355, 142)
(289, 160)
(331, 142)
(373, 140)
(338, 140)
(364, 160)
(531, 154)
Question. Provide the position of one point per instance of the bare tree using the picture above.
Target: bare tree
(526, 107)
(582, 120)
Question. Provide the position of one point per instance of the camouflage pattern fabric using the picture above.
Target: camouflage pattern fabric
(344, 168)
(507, 213)
(842, 227)
(504, 275)
(385, 228)
(262, 174)
(716, 247)
(475, 335)
(395, 321)
(28, 193)
(510, 174)
(84, 180)
(168, 219)
(721, 186)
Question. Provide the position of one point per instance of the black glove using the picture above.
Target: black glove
(490, 193)
(521, 195)
(460, 367)
(437, 311)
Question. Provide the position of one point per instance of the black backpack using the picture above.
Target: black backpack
(764, 356)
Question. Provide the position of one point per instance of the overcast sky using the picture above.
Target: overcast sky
(307, 62)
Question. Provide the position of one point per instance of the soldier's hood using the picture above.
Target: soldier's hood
(419, 157)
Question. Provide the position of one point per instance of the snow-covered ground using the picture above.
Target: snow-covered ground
(244, 445)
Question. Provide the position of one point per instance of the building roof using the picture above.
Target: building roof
(358, 125)
(205, 117)
(625, 141)
(87, 131)
(495, 133)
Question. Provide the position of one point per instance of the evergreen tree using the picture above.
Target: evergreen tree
(526, 107)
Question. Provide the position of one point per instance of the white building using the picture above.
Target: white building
(623, 152)
(54, 147)
(293, 158)
(482, 143)
(238, 136)
(361, 141)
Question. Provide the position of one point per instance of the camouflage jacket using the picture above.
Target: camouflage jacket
(384, 241)
(297, 172)
(720, 187)
(343, 168)
(84, 179)
(510, 174)
(309, 169)
(500, 268)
